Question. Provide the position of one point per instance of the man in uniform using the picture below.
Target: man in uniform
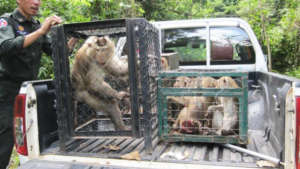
(22, 40)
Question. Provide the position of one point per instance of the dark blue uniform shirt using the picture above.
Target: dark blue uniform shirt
(18, 63)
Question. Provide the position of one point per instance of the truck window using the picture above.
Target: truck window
(229, 45)
(188, 43)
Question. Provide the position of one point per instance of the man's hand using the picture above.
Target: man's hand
(44, 29)
(71, 43)
(48, 23)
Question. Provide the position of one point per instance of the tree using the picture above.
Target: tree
(275, 22)
(7, 6)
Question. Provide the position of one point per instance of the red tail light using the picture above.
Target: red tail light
(19, 124)
(297, 160)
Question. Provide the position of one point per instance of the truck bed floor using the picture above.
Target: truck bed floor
(167, 152)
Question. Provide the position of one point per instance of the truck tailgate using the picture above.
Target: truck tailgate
(42, 164)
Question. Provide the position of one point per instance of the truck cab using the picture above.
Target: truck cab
(213, 44)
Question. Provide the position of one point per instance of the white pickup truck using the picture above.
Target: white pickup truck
(273, 110)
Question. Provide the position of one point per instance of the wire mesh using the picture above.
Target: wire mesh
(203, 107)
(150, 65)
(83, 111)
(202, 116)
(89, 118)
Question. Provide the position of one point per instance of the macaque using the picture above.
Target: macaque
(187, 121)
(225, 115)
(181, 82)
(92, 61)
(164, 64)
(193, 114)
(109, 62)
(216, 111)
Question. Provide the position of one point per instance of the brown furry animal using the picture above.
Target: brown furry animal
(164, 64)
(87, 76)
(191, 116)
(109, 62)
(181, 82)
(225, 115)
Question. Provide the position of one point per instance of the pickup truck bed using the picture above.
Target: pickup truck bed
(196, 153)
(272, 115)
(193, 153)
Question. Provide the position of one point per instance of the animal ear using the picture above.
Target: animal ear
(186, 81)
(162, 61)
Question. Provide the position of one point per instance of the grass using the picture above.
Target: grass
(14, 160)
(294, 73)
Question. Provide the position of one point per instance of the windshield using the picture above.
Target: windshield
(229, 45)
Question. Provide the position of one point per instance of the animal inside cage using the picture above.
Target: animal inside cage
(106, 85)
(203, 107)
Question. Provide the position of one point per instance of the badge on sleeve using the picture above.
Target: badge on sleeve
(3, 23)
(21, 28)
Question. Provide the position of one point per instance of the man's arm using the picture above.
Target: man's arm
(44, 29)
(10, 44)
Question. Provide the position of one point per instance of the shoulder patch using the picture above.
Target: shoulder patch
(3, 23)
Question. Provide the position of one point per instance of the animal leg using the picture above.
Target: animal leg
(116, 116)
(217, 117)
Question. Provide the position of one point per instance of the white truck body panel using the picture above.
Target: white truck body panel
(290, 134)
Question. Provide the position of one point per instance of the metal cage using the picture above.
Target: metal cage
(186, 112)
(141, 44)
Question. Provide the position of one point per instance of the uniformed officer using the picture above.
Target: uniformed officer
(22, 40)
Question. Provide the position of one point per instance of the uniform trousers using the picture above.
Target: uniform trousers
(8, 92)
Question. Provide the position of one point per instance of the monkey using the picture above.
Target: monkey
(216, 112)
(187, 121)
(225, 116)
(109, 62)
(180, 82)
(190, 118)
(164, 64)
(87, 79)
(176, 103)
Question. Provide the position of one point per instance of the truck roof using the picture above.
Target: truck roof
(200, 22)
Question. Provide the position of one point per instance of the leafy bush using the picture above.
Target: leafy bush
(294, 73)
(275, 23)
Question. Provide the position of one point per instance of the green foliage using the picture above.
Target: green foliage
(191, 54)
(46, 70)
(7, 6)
(294, 73)
(68, 10)
(109, 9)
(14, 160)
(187, 9)
(281, 24)
(275, 22)
(286, 39)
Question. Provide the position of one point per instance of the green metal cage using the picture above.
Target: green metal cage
(165, 91)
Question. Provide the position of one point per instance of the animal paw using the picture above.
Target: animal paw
(122, 95)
